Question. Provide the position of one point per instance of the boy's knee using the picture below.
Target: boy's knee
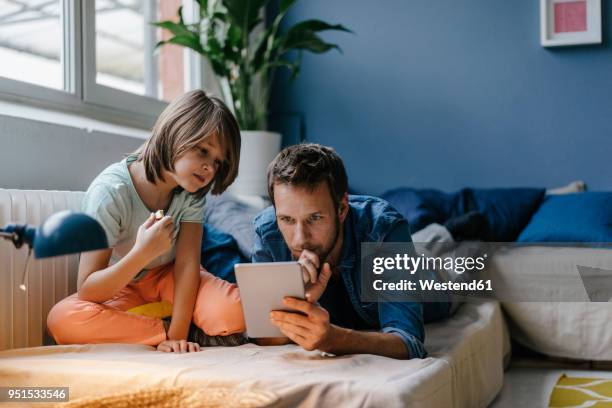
(65, 320)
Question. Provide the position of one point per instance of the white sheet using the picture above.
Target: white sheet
(465, 368)
(578, 330)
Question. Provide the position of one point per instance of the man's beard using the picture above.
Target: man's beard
(323, 253)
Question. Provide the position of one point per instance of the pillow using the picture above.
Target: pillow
(581, 217)
(506, 210)
(159, 310)
(229, 214)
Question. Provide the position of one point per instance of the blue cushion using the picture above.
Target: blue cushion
(507, 210)
(580, 217)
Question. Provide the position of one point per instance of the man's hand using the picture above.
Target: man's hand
(178, 346)
(315, 282)
(309, 261)
(312, 331)
(315, 290)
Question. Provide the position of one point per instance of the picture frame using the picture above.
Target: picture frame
(570, 22)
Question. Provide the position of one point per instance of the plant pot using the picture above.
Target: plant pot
(257, 150)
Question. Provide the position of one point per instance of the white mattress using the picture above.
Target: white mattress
(465, 368)
(578, 330)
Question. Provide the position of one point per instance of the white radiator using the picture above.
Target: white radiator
(23, 315)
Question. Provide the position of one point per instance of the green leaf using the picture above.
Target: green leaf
(260, 51)
(269, 43)
(306, 40)
(180, 15)
(174, 28)
(254, 24)
(244, 13)
(234, 35)
(220, 16)
(285, 4)
(186, 41)
(233, 42)
(318, 25)
(303, 36)
(213, 46)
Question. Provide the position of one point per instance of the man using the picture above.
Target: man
(313, 220)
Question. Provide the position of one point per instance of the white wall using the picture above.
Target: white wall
(51, 156)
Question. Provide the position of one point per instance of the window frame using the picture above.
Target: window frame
(81, 95)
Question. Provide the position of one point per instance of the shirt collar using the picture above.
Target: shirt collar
(347, 257)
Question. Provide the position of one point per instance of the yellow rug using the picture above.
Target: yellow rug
(579, 392)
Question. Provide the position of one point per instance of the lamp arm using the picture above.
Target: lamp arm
(15, 233)
(8, 235)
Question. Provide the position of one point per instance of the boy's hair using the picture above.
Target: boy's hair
(306, 165)
(181, 126)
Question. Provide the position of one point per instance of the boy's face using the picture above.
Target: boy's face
(307, 219)
(197, 167)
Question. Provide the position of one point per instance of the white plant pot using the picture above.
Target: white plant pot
(257, 150)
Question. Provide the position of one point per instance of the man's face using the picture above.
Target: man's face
(307, 219)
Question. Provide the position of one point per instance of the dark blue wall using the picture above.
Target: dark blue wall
(447, 93)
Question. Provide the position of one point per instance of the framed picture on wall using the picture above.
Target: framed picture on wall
(570, 22)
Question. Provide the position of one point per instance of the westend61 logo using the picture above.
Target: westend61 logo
(412, 264)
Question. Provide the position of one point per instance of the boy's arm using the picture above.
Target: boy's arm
(98, 282)
(186, 278)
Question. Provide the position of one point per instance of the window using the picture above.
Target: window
(95, 57)
(31, 42)
(125, 49)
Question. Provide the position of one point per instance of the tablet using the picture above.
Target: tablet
(262, 289)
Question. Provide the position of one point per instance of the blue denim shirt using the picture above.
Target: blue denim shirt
(369, 219)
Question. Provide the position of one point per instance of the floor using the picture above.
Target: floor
(529, 379)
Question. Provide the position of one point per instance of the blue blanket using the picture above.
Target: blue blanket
(506, 211)
(220, 253)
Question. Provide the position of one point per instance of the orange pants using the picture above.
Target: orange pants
(217, 311)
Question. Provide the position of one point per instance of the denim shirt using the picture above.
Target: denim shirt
(369, 219)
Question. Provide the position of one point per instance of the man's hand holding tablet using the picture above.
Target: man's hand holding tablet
(268, 286)
(310, 327)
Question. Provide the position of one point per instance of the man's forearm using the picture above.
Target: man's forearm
(347, 341)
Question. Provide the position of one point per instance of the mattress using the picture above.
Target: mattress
(577, 329)
(464, 369)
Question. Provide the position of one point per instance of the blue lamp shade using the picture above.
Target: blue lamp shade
(63, 233)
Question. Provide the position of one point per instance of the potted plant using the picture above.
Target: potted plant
(245, 57)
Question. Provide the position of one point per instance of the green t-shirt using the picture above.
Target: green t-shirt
(113, 201)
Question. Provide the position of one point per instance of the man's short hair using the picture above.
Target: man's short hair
(307, 165)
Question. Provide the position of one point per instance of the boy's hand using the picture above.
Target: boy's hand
(178, 346)
(154, 237)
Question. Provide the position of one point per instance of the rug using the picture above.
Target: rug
(577, 392)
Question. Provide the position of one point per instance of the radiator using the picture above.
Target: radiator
(23, 315)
